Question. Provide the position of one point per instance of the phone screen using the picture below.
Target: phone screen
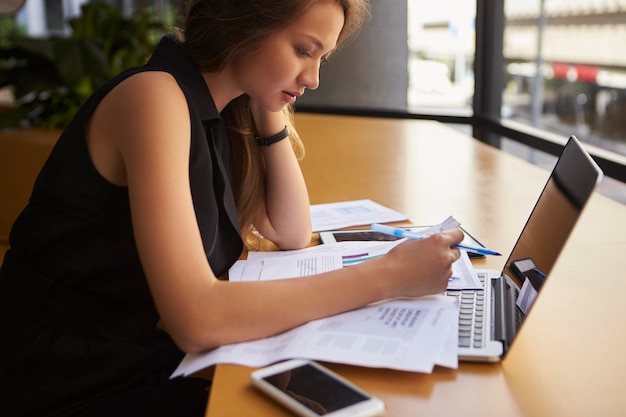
(366, 235)
(376, 236)
(315, 389)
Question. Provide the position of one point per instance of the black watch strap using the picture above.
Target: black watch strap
(270, 140)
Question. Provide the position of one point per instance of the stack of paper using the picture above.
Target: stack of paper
(405, 334)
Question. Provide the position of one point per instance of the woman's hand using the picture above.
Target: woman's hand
(266, 122)
(421, 267)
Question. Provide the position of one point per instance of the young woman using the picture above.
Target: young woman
(145, 203)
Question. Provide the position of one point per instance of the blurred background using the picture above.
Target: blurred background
(530, 72)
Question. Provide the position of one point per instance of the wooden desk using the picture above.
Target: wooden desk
(428, 171)
(22, 154)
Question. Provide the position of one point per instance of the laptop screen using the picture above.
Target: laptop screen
(552, 220)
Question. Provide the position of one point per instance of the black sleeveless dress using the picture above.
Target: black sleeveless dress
(77, 320)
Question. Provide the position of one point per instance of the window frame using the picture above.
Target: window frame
(485, 121)
(487, 124)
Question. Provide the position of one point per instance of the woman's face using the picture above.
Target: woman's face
(289, 61)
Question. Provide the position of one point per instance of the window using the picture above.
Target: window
(566, 68)
(41, 18)
(520, 74)
(565, 71)
(441, 56)
(579, 47)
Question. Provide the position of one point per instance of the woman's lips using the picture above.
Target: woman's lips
(289, 98)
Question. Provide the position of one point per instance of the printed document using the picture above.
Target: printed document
(327, 257)
(405, 334)
(332, 216)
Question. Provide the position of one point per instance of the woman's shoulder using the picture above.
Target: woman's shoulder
(136, 119)
(147, 96)
(154, 84)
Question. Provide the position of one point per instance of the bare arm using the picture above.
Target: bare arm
(199, 311)
(288, 222)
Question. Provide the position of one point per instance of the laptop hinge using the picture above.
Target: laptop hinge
(498, 311)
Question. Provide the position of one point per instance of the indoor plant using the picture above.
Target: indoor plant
(51, 78)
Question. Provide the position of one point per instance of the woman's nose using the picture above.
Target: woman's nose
(310, 77)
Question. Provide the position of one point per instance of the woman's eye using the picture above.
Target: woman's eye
(302, 52)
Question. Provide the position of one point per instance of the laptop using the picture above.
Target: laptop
(490, 319)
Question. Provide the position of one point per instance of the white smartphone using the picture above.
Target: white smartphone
(310, 390)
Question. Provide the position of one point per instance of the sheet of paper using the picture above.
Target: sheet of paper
(406, 334)
(324, 258)
(299, 265)
(347, 252)
(449, 354)
(236, 271)
(464, 276)
(448, 224)
(527, 296)
(351, 213)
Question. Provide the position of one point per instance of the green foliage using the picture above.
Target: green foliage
(51, 78)
(8, 27)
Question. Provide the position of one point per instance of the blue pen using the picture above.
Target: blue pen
(395, 231)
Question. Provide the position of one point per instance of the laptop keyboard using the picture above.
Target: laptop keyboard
(471, 315)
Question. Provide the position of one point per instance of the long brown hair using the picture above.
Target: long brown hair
(213, 33)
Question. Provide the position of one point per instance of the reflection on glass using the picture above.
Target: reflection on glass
(580, 50)
(547, 230)
(315, 390)
(557, 210)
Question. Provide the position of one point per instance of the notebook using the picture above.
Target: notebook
(490, 319)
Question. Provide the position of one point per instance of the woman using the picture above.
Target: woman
(147, 199)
